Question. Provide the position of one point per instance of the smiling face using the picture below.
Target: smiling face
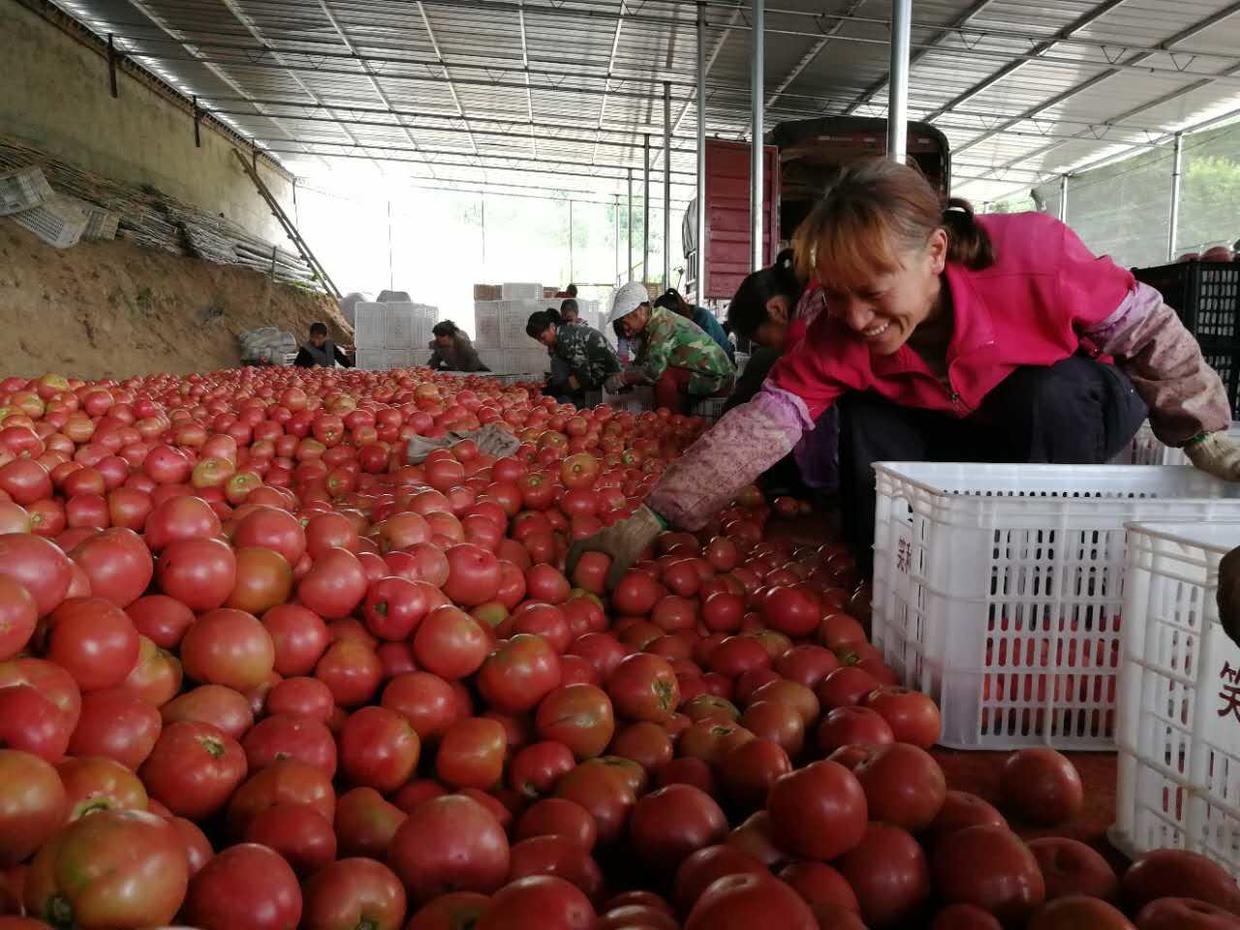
(883, 302)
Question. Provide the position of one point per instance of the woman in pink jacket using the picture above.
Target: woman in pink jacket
(950, 337)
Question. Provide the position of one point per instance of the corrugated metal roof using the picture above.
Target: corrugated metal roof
(562, 93)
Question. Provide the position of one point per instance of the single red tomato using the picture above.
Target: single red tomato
(449, 843)
(706, 866)
(471, 753)
(94, 641)
(1185, 914)
(298, 636)
(379, 748)
(457, 910)
(888, 872)
(110, 869)
(536, 768)
(1041, 786)
(365, 823)
(913, 717)
(519, 674)
(286, 736)
(221, 707)
(850, 725)
(644, 687)
(579, 716)
(1078, 912)
(450, 643)
(287, 781)
(903, 785)
(539, 901)
(557, 817)
(990, 867)
(351, 894)
(193, 769)
(748, 771)
(961, 809)
(1070, 867)
(670, 824)
(964, 917)
(200, 573)
(116, 725)
(555, 855)
(245, 887)
(161, 618)
(1165, 873)
(29, 817)
(820, 885)
(298, 832)
(817, 812)
(741, 902)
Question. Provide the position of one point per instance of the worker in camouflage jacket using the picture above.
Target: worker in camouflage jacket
(586, 359)
(682, 362)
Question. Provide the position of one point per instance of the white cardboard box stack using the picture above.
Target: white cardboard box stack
(499, 326)
(392, 335)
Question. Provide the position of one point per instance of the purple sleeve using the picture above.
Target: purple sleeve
(1186, 397)
(747, 441)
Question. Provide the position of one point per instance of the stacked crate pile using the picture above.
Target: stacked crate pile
(393, 335)
(500, 314)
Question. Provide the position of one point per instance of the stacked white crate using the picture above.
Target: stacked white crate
(392, 335)
(499, 330)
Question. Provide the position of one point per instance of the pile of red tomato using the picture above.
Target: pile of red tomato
(259, 673)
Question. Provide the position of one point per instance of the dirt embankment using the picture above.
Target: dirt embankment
(111, 309)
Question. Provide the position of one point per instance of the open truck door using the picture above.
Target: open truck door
(805, 156)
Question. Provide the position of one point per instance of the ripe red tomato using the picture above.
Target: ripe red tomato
(264, 580)
(1185, 914)
(1165, 873)
(450, 643)
(519, 674)
(845, 687)
(298, 832)
(807, 664)
(670, 824)
(851, 725)
(37, 565)
(334, 585)
(214, 704)
(536, 768)
(30, 816)
(365, 823)
(394, 607)
(538, 901)
(991, 868)
(111, 869)
(245, 887)
(579, 716)
(230, 648)
(964, 917)
(1070, 867)
(286, 781)
(458, 910)
(741, 902)
(379, 748)
(471, 753)
(282, 736)
(644, 687)
(961, 809)
(200, 573)
(790, 610)
(161, 618)
(116, 725)
(117, 563)
(821, 886)
(817, 812)
(351, 670)
(193, 769)
(1041, 786)
(298, 636)
(94, 641)
(560, 856)
(473, 575)
(903, 785)
(354, 893)
(888, 872)
(748, 771)
(271, 528)
(557, 817)
(427, 701)
(1078, 912)
(647, 744)
(446, 844)
(913, 717)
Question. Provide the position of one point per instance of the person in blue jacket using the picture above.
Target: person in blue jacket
(705, 320)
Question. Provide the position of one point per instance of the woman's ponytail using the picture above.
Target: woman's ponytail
(968, 242)
(747, 311)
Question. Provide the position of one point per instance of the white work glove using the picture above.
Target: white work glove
(624, 542)
(491, 439)
(1216, 454)
(615, 383)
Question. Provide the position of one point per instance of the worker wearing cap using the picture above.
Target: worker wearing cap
(682, 362)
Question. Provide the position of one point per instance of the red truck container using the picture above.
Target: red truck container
(806, 154)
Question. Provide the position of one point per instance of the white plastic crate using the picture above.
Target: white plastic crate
(369, 325)
(513, 317)
(519, 291)
(398, 328)
(1147, 450)
(58, 221)
(486, 324)
(998, 589)
(1179, 708)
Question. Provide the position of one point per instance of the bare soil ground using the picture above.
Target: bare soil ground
(111, 309)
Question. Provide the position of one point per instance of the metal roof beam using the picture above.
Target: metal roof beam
(611, 64)
(430, 33)
(959, 23)
(1081, 22)
(812, 55)
(1187, 33)
(525, 60)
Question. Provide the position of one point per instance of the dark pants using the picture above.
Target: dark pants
(1076, 412)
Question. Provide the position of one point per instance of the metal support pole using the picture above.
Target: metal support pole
(667, 185)
(700, 270)
(112, 66)
(1063, 198)
(897, 85)
(646, 215)
(628, 269)
(757, 166)
(615, 215)
(197, 124)
(1173, 224)
(570, 242)
(391, 268)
